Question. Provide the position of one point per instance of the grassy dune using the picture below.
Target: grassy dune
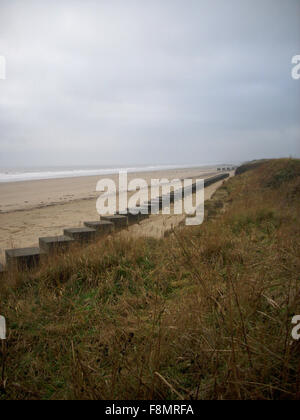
(204, 313)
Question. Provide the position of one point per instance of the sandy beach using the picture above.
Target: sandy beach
(32, 209)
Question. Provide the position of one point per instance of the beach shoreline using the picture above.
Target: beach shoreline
(29, 195)
(33, 209)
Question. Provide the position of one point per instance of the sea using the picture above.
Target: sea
(19, 174)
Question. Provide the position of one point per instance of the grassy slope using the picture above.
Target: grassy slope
(204, 313)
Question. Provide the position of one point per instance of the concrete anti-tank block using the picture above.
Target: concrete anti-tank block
(142, 212)
(55, 243)
(133, 215)
(2, 270)
(83, 235)
(23, 258)
(118, 220)
(102, 227)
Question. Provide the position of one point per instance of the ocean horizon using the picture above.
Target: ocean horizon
(19, 174)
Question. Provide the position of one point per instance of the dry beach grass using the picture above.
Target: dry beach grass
(204, 313)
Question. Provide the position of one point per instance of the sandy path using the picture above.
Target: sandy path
(22, 228)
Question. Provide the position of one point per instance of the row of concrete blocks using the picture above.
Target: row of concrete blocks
(30, 257)
(24, 258)
(232, 168)
(164, 201)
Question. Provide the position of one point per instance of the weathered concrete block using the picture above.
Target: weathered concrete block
(23, 258)
(55, 243)
(83, 235)
(118, 220)
(137, 214)
(2, 270)
(132, 216)
(102, 227)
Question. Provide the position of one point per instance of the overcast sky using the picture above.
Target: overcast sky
(112, 82)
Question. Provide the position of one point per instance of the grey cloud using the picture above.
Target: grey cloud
(148, 82)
